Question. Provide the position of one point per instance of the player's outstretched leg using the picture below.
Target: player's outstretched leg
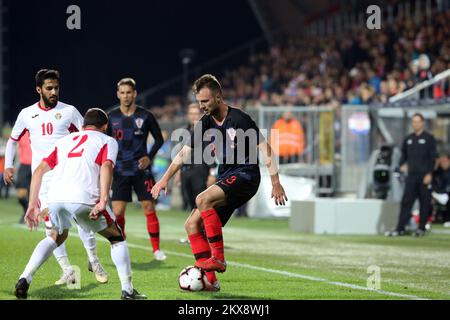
(41, 253)
(60, 253)
(153, 229)
(121, 258)
(206, 201)
(200, 247)
(118, 207)
(94, 265)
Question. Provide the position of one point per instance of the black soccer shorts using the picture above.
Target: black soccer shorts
(142, 183)
(23, 177)
(239, 187)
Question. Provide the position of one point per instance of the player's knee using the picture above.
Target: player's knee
(189, 225)
(192, 225)
(119, 213)
(202, 202)
(60, 238)
(115, 238)
(148, 208)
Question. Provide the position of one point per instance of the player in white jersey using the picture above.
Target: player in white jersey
(47, 121)
(82, 164)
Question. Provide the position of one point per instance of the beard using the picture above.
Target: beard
(48, 103)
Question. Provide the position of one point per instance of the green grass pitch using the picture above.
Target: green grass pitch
(266, 261)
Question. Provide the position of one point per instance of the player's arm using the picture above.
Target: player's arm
(404, 156)
(17, 132)
(156, 133)
(176, 165)
(271, 163)
(108, 158)
(33, 212)
(269, 160)
(10, 153)
(106, 177)
(76, 122)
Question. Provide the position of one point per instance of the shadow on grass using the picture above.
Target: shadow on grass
(229, 296)
(154, 264)
(203, 295)
(60, 293)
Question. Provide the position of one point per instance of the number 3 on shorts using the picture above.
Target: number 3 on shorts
(231, 180)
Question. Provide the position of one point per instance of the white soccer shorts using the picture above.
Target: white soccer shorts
(61, 215)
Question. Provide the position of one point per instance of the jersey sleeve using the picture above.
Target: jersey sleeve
(20, 127)
(76, 122)
(155, 131)
(250, 124)
(108, 152)
(196, 139)
(52, 159)
(404, 156)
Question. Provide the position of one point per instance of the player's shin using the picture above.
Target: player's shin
(89, 243)
(213, 228)
(153, 229)
(121, 258)
(40, 254)
(60, 252)
(202, 251)
(120, 221)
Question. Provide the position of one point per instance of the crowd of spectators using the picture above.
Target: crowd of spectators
(361, 67)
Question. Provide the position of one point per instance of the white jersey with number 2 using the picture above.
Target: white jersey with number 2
(76, 161)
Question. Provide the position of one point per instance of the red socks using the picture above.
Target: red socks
(202, 251)
(153, 229)
(213, 228)
(120, 221)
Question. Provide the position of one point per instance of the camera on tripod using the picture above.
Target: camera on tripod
(382, 172)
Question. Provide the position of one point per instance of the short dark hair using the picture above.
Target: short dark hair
(417, 114)
(45, 74)
(95, 117)
(207, 81)
(128, 82)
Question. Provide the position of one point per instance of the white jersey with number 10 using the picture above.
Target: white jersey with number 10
(46, 127)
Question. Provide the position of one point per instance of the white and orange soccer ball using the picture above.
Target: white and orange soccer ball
(192, 279)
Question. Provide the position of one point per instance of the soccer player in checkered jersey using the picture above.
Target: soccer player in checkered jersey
(82, 163)
(238, 175)
(47, 121)
(130, 125)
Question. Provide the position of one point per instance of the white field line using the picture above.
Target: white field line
(274, 271)
(283, 273)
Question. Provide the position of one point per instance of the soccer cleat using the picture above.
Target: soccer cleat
(21, 290)
(68, 277)
(100, 274)
(395, 233)
(159, 255)
(213, 287)
(132, 296)
(212, 264)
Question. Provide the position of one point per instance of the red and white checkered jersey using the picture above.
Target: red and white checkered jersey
(46, 127)
(76, 161)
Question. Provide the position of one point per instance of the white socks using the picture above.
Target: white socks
(40, 254)
(121, 258)
(89, 243)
